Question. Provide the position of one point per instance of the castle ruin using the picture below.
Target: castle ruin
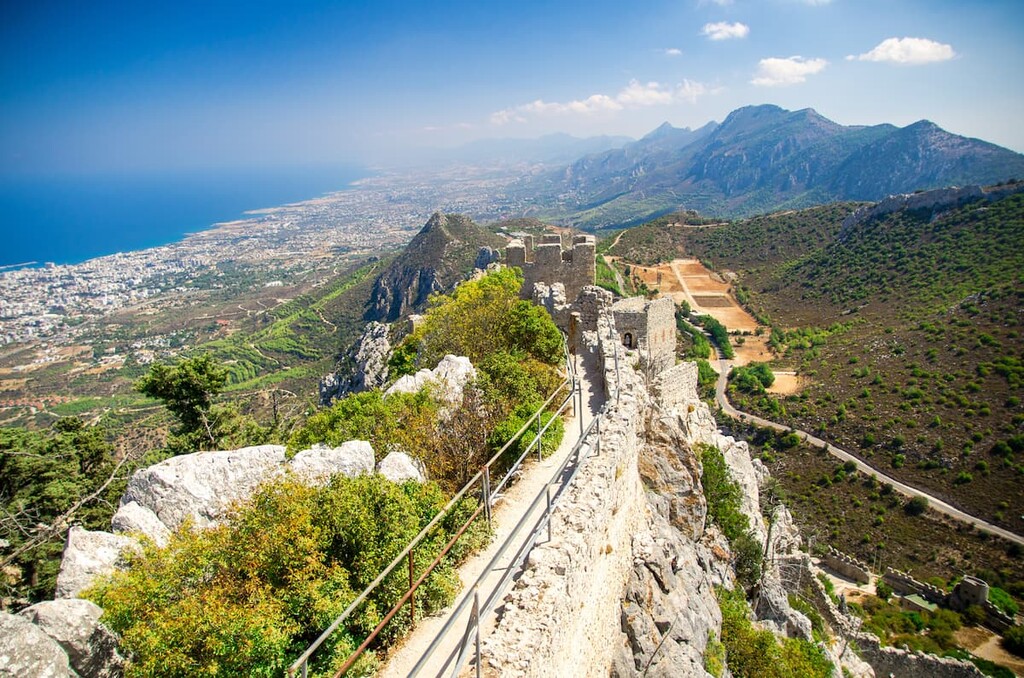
(548, 263)
(649, 328)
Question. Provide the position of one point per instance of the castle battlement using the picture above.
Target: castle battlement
(547, 262)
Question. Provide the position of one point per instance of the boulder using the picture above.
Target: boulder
(353, 458)
(26, 651)
(200, 486)
(86, 555)
(134, 518)
(399, 467)
(75, 625)
(448, 379)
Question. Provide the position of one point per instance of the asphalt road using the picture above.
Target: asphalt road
(933, 502)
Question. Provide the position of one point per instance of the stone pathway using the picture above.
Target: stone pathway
(506, 515)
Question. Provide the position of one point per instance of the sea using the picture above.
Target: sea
(69, 219)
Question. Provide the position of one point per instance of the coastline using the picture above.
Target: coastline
(70, 222)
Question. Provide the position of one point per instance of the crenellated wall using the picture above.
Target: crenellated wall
(546, 262)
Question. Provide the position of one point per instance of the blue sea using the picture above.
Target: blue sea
(67, 220)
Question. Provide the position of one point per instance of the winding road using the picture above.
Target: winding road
(933, 502)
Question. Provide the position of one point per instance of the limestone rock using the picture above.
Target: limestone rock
(200, 486)
(352, 458)
(485, 257)
(369, 359)
(26, 651)
(448, 379)
(399, 467)
(87, 555)
(75, 625)
(134, 518)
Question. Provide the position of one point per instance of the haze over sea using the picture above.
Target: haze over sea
(70, 219)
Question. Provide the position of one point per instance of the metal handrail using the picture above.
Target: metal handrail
(407, 553)
(519, 556)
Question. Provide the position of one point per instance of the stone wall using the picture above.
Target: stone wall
(558, 618)
(886, 661)
(848, 566)
(905, 585)
(549, 263)
(676, 385)
(649, 328)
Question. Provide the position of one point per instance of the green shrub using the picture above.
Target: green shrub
(245, 598)
(1013, 640)
(724, 508)
(751, 652)
(916, 506)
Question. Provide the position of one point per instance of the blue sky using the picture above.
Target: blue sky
(142, 86)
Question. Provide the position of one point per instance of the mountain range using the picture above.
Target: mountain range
(759, 159)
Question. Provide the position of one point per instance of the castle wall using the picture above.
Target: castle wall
(547, 263)
(649, 328)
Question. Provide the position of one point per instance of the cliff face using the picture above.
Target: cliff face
(442, 254)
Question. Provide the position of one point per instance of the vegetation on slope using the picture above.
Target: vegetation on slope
(751, 652)
(723, 500)
(246, 597)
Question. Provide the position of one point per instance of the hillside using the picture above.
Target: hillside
(442, 254)
(764, 158)
(905, 327)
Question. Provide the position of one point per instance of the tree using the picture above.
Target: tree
(187, 390)
(50, 480)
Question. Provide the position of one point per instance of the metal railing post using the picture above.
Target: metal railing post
(579, 388)
(548, 487)
(597, 442)
(540, 448)
(487, 495)
(476, 613)
(412, 592)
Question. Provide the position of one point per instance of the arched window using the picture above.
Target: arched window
(627, 340)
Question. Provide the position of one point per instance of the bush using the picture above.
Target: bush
(245, 598)
(724, 508)
(916, 506)
(1013, 640)
(756, 653)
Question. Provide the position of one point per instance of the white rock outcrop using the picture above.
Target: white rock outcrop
(26, 651)
(352, 458)
(200, 486)
(399, 467)
(135, 519)
(75, 625)
(87, 555)
(448, 379)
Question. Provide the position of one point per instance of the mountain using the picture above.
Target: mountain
(764, 158)
(442, 254)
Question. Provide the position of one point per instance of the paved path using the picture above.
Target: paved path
(933, 502)
(507, 516)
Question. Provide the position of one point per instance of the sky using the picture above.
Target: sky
(109, 87)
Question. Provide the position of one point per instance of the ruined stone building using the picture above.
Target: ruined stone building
(649, 328)
(548, 263)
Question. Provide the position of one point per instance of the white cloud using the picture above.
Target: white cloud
(673, 52)
(723, 30)
(635, 95)
(792, 70)
(912, 51)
